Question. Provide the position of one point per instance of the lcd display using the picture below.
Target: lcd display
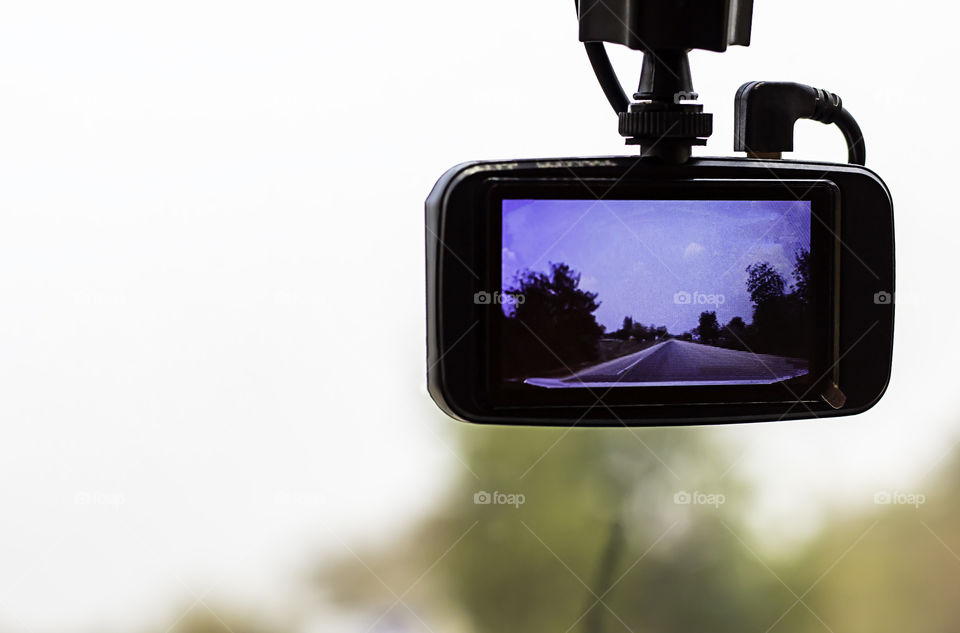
(635, 293)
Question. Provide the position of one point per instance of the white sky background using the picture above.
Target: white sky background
(211, 255)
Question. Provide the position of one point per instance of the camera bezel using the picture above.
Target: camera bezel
(459, 217)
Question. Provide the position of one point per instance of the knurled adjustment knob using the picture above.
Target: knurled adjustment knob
(643, 123)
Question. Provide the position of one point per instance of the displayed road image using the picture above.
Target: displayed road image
(655, 293)
(675, 362)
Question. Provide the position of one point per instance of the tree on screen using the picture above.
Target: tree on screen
(734, 334)
(781, 318)
(553, 325)
(736, 324)
(626, 330)
(709, 328)
(764, 283)
(801, 276)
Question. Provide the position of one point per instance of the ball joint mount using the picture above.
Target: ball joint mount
(663, 118)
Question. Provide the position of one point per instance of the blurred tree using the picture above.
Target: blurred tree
(892, 566)
(604, 541)
(205, 619)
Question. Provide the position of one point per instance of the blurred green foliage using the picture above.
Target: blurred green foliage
(641, 531)
(203, 619)
(602, 543)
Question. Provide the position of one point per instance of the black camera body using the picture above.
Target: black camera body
(662, 289)
(851, 277)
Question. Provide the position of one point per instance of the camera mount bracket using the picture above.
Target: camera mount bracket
(661, 118)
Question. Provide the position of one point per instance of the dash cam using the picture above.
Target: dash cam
(662, 289)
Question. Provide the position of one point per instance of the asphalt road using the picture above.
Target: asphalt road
(676, 362)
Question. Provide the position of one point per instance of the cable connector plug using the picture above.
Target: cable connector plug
(765, 114)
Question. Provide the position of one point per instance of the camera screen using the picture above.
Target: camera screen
(639, 293)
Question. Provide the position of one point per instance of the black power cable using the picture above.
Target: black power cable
(765, 113)
(607, 77)
(856, 151)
